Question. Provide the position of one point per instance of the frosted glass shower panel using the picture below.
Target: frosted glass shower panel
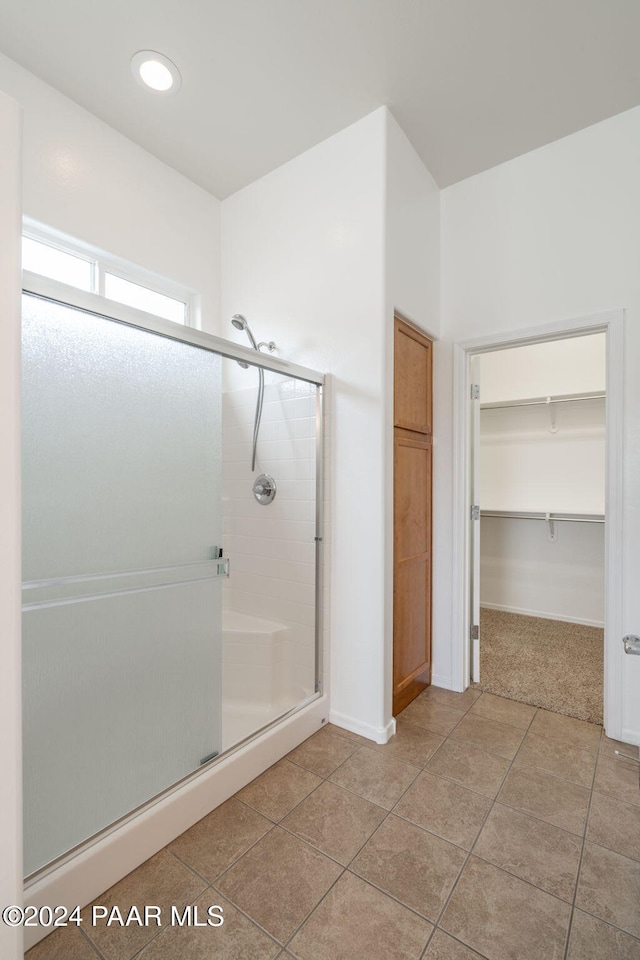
(122, 699)
(121, 445)
(121, 601)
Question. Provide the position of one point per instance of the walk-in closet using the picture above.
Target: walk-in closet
(540, 466)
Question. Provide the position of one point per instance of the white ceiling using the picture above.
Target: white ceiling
(472, 82)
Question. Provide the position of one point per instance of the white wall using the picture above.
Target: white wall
(558, 367)
(86, 180)
(10, 714)
(549, 236)
(526, 467)
(413, 233)
(412, 211)
(303, 258)
(531, 463)
(522, 572)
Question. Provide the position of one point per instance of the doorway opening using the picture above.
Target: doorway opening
(539, 480)
(539, 471)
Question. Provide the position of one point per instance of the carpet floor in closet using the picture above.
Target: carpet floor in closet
(547, 663)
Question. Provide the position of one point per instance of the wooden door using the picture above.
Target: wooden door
(412, 514)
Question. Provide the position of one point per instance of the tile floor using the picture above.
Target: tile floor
(484, 829)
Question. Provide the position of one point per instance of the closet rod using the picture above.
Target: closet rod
(569, 517)
(543, 401)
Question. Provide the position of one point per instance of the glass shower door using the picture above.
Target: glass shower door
(121, 595)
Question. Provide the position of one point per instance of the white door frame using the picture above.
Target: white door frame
(612, 324)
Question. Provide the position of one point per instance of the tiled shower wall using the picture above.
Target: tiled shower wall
(272, 548)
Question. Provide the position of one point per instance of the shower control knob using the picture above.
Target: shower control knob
(264, 489)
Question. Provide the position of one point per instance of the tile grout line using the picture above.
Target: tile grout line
(345, 869)
(325, 778)
(279, 944)
(386, 814)
(139, 950)
(391, 812)
(279, 823)
(470, 852)
(308, 916)
(584, 841)
(97, 951)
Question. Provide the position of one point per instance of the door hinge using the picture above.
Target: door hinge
(475, 512)
(475, 391)
(475, 632)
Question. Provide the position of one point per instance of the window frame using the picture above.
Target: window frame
(104, 263)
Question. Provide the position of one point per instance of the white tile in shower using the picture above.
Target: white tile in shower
(272, 549)
(305, 427)
(270, 608)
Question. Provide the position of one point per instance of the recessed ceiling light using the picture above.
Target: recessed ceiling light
(155, 72)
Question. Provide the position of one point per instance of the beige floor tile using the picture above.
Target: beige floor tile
(355, 921)
(411, 865)
(490, 735)
(505, 918)
(443, 947)
(67, 943)
(279, 789)
(505, 711)
(608, 748)
(591, 939)
(432, 715)
(470, 766)
(161, 881)
(341, 732)
(561, 759)
(609, 888)
(411, 743)
(459, 701)
(323, 752)
(212, 844)
(236, 939)
(532, 850)
(375, 777)
(335, 821)
(279, 882)
(542, 795)
(615, 824)
(444, 808)
(618, 778)
(568, 729)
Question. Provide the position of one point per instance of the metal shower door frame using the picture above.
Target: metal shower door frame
(90, 303)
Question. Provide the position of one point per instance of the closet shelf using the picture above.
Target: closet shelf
(535, 515)
(542, 401)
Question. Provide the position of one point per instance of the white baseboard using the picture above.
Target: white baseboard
(444, 682)
(543, 615)
(81, 878)
(377, 734)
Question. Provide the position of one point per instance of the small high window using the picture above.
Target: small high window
(135, 295)
(97, 275)
(57, 264)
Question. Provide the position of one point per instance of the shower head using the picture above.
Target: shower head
(240, 323)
